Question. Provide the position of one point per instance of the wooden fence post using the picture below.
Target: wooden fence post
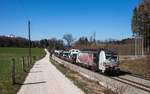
(34, 57)
(28, 61)
(22, 64)
(13, 71)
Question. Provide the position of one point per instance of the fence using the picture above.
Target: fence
(22, 65)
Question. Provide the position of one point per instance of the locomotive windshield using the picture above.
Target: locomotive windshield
(109, 57)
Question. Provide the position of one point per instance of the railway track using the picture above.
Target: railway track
(133, 83)
(143, 85)
(139, 76)
(140, 86)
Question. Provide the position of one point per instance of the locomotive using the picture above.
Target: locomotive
(104, 61)
(99, 60)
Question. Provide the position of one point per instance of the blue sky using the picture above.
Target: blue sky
(54, 18)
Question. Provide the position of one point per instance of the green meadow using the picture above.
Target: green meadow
(6, 55)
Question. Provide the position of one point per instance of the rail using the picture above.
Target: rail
(111, 82)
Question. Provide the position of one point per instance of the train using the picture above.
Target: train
(98, 60)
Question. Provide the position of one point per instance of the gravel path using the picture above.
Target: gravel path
(44, 78)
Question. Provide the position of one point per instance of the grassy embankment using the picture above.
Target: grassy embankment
(138, 66)
(6, 54)
(87, 85)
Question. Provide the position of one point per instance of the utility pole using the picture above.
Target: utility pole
(142, 46)
(29, 42)
(135, 44)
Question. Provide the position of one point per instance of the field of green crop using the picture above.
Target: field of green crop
(6, 54)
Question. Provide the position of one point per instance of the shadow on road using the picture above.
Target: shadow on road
(31, 83)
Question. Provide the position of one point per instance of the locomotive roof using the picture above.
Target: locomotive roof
(110, 53)
(97, 51)
(89, 51)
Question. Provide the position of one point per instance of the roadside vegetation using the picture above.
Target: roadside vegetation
(85, 84)
(6, 54)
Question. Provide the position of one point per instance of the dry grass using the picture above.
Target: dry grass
(138, 66)
(116, 89)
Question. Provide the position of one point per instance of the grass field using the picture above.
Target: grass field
(6, 54)
(138, 66)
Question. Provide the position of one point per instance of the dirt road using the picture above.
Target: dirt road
(44, 78)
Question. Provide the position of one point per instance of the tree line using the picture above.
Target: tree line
(141, 24)
(13, 42)
(124, 47)
(23, 42)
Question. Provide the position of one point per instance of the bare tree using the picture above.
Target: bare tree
(69, 39)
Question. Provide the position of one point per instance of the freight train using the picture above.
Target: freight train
(104, 61)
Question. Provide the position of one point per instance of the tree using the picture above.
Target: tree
(137, 23)
(141, 22)
(69, 39)
(13, 42)
(82, 43)
(44, 43)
